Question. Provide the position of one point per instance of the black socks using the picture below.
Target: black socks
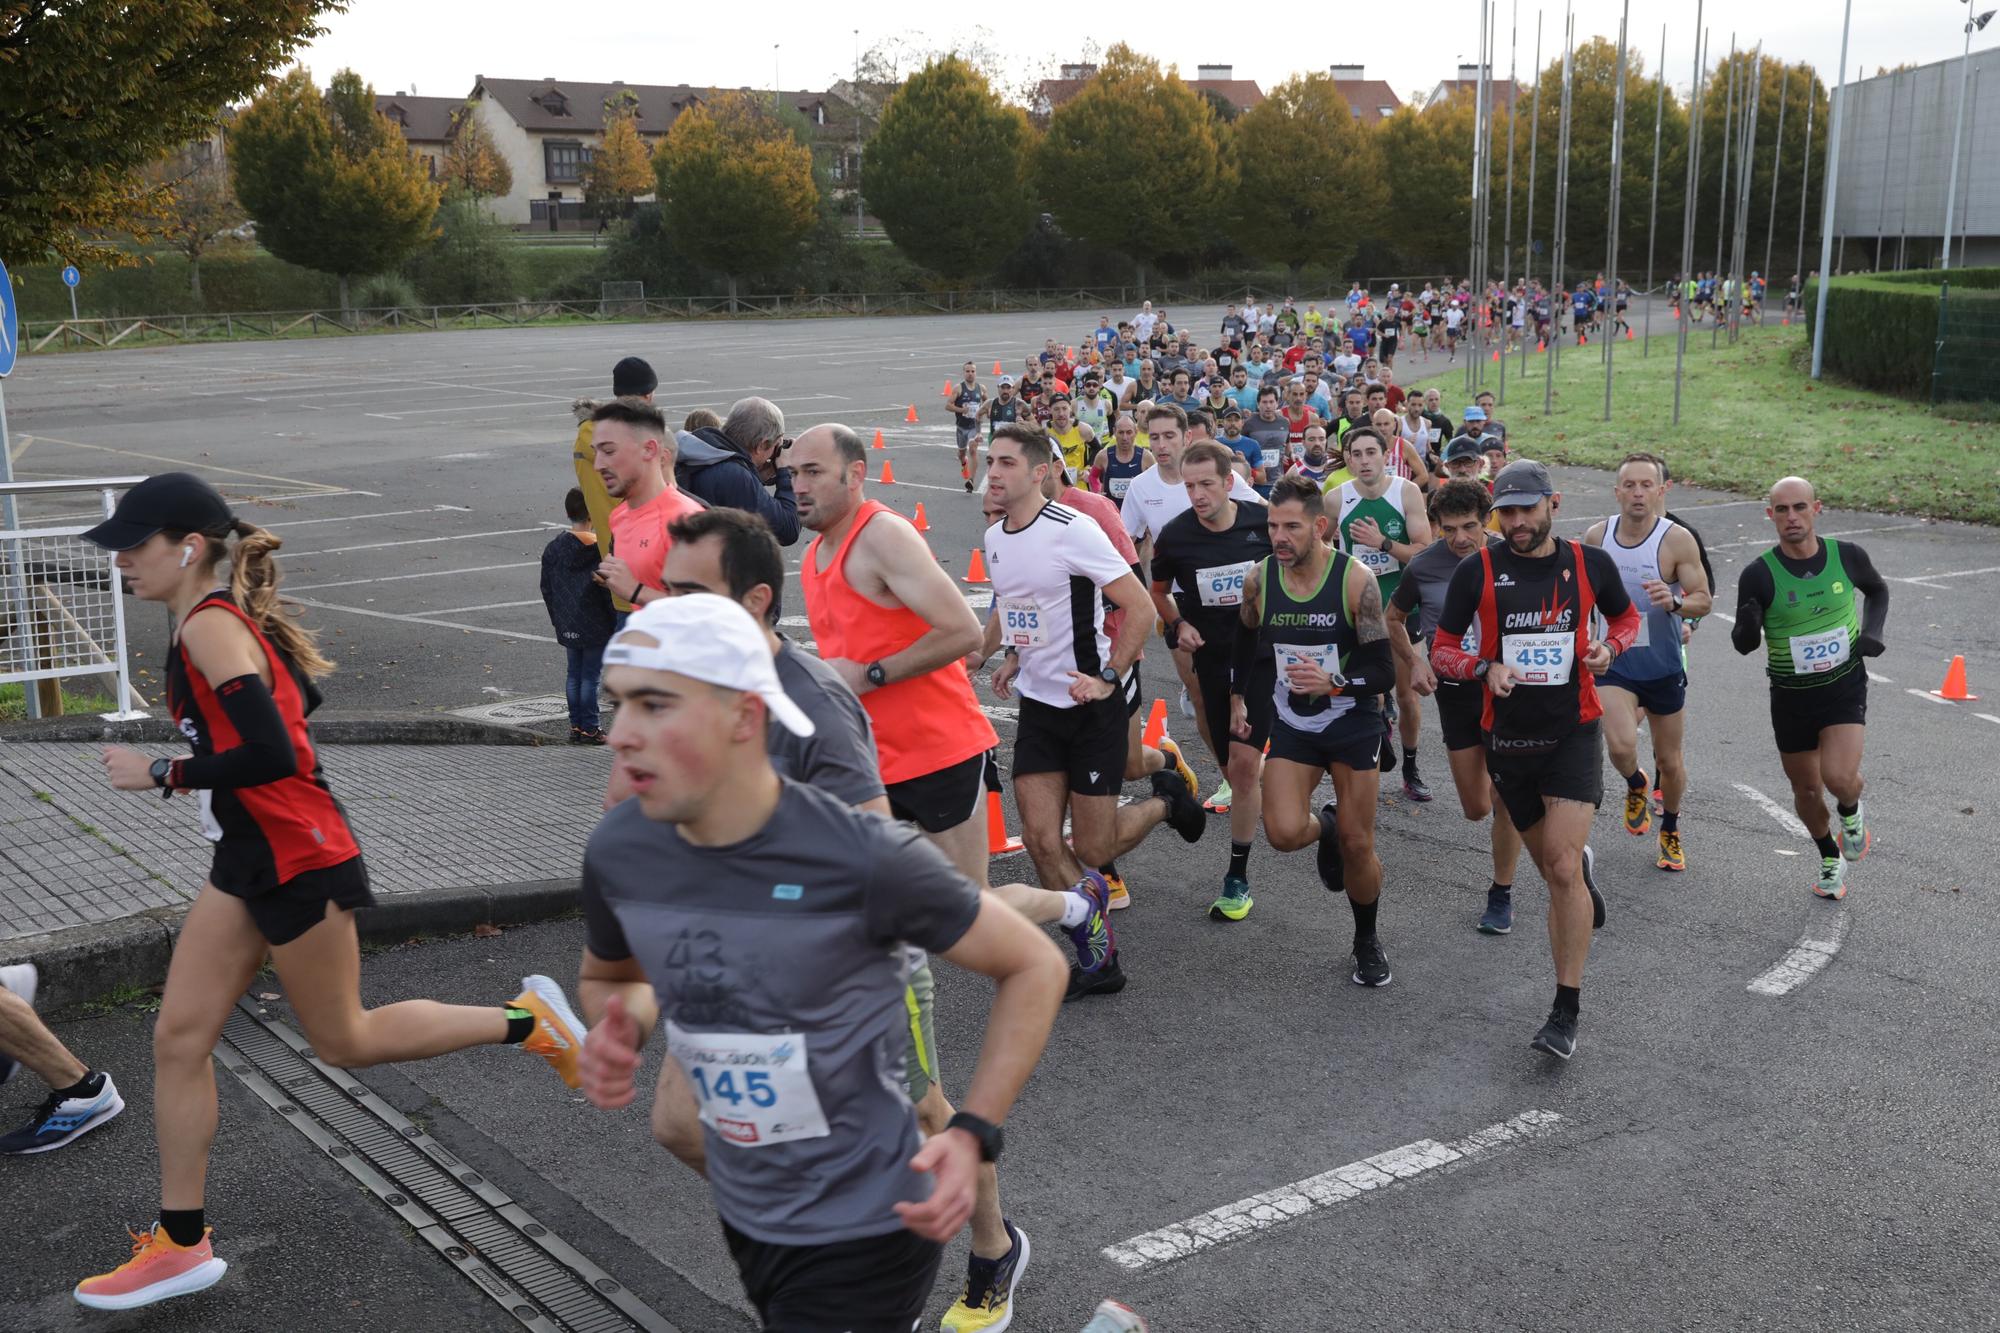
(1848, 811)
(1498, 887)
(1109, 870)
(520, 1024)
(1239, 860)
(88, 1086)
(1567, 999)
(1670, 821)
(182, 1225)
(1364, 918)
(1827, 846)
(1409, 761)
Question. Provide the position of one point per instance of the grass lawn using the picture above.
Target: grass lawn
(14, 705)
(1751, 414)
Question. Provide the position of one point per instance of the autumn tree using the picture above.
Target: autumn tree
(620, 168)
(89, 99)
(736, 189)
(1133, 162)
(473, 165)
(948, 171)
(190, 204)
(1793, 86)
(329, 180)
(1310, 184)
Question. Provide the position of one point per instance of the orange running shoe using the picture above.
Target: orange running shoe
(1121, 896)
(559, 1033)
(157, 1270)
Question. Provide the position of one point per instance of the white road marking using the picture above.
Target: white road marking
(1880, 679)
(291, 588)
(1260, 1212)
(1787, 821)
(308, 495)
(1926, 579)
(1723, 615)
(419, 620)
(356, 518)
(1988, 717)
(485, 606)
(1815, 949)
(424, 541)
(1928, 697)
(1851, 532)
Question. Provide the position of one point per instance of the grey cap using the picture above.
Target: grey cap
(1521, 483)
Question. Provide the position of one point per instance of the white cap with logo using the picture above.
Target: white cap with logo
(710, 639)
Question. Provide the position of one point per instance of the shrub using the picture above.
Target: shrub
(468, 261)
(1882, 329)
(385, 291)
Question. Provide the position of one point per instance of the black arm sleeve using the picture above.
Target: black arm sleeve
(1754, 591)
(1875, 590)
(264, 754)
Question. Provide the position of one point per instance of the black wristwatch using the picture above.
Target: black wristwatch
(1172, 635)
(876, 675)
(161, 770)
(1109, 676)
(987, 1133)
(1480, 668)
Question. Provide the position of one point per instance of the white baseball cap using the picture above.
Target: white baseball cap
(710, 639)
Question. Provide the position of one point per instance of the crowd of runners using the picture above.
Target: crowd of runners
(1257, 512)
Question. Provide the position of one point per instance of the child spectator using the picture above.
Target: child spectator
(580, 610)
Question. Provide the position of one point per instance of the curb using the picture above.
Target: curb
(358, 728)
(83, 963)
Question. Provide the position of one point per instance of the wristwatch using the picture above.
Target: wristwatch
(985, 1131)
(1172, 635)
(1677, 603)
(1109, 676)
(876, 675)
(1480, 668)
(162, 769)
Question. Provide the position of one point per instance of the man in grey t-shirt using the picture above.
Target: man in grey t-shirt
(767, 923)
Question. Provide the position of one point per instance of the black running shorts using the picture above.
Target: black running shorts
(1353, 739)
(1085, 743)
(945, 799)
(296, 906)
(1459, 707)
(878, 1284)
(1799, 714)
(1573, 769)
(1211, 674)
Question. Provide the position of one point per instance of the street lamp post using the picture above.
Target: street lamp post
(1973, 23)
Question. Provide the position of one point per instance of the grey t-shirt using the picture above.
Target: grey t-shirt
(839, 757)
(779, 966)
(1424, 581)
(1270, 436)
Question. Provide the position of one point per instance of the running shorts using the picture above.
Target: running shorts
(920, 1066)
(1572, 770)
(944, 799)
(1662, 696)
(1086, 743)
(968, 436)
(877, 1284)
(297, 905)
(1211, 674)
(1459, 708)
(1798, 715)
(1130, 686)
(1353, 740)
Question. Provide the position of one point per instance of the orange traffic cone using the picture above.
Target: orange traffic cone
(1496, 354)
(911, 415)
(997, 370)
(1581, 341)
(1628, 335)
(878, 440)
(919, 522)
(1787, 321)
(1156, 725)
(888, 477)
(947, 388)
(1541, 344)
(1954, 684)
(997, 841)
(976, 571)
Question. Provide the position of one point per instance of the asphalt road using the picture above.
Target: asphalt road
(1723, 1156)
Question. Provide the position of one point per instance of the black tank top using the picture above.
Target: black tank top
(1319, 627)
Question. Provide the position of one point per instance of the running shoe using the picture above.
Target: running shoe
(60, 1120)
(21, 979)
(1590, 883)
(1115, 1317)
(1671, 855)
(1187, 704)
(157, 1270)
(1332, 870)
(1371, 965)
(1172, 750)
(1638, 810)
(1659, 801)
(987, 1304)
(1183, 811)
(1121, 897)
(1558, 1035)
(1092, 935)
(1106, 980)
(1234, 904)
(1413, 786)
(1854, 833)
(968, 485)
(1832, 878)
(559, 1033)
(1218, 803)
(1499, 917)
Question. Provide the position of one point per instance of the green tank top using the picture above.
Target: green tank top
(1387, 512)
(1811, 627)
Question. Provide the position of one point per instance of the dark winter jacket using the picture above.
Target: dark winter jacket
(711, 468)
(579, 609)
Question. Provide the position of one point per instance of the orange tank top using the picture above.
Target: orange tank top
(922, 724)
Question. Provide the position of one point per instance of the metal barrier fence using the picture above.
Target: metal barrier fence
(62, 609)
(1966, 364)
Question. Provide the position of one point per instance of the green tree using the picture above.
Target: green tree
(472, 164)
(620, 168)
(329, 180)
(736, 188)
(469, 260)
(948, 171)
(90, 95)
(1133, 162)
(1794, 86)
(190, 205)
(1310, 182)
(1427, 160)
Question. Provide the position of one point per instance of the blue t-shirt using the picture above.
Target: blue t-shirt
(1246, 397)
(1253, 452)
(1105, 337)
(1359, 339)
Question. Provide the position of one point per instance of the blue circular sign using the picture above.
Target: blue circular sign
(10, 328)
(70, 276)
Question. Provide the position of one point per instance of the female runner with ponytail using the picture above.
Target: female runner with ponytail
(287, 874)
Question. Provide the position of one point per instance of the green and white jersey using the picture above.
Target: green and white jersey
(1387, 511)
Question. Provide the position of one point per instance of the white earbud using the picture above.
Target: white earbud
(187, 554)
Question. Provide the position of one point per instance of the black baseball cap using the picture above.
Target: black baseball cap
(177, 500)
(1463, 446)
(633, 378)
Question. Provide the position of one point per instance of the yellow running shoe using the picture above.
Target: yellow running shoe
(1638, 809)
(1671, 855)
(1121, 897)
(1180, 765)
(987, 1303)
(157, 1270)
(559, 1033)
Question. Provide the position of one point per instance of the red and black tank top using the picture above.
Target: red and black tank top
(1534, 615)
(268, 834)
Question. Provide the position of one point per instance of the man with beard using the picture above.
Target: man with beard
(634, 452)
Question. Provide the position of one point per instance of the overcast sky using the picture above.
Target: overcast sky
(438, 47)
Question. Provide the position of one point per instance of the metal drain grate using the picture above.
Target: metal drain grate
(540, 1280)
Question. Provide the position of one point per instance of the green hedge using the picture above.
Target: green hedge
(1882, 328)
